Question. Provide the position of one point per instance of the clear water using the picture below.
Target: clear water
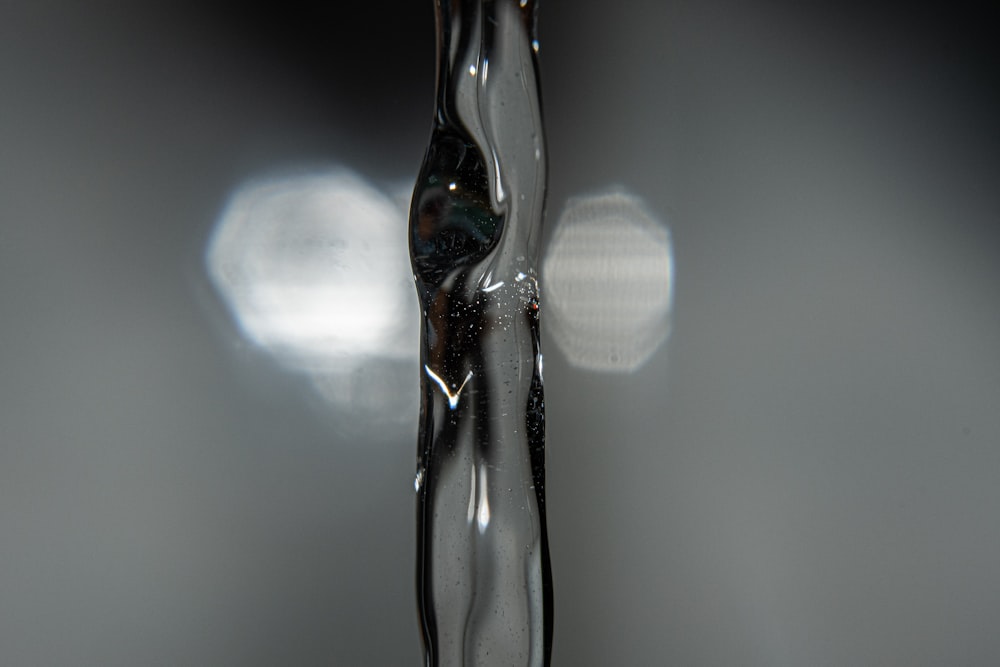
(483, 577)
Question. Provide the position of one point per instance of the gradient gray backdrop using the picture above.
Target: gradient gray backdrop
(808, 473)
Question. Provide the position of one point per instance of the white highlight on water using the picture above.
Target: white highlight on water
(452, 396)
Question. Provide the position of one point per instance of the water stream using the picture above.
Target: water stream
(483, 577)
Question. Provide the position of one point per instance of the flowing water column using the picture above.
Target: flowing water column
(483, 579)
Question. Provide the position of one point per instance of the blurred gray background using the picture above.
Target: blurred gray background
(806, 473)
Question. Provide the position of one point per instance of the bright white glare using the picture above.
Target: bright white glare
(483, 515)
(452, 396)
(315, 270)
(608, 277)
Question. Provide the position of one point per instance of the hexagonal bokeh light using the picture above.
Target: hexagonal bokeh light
(608, 277)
